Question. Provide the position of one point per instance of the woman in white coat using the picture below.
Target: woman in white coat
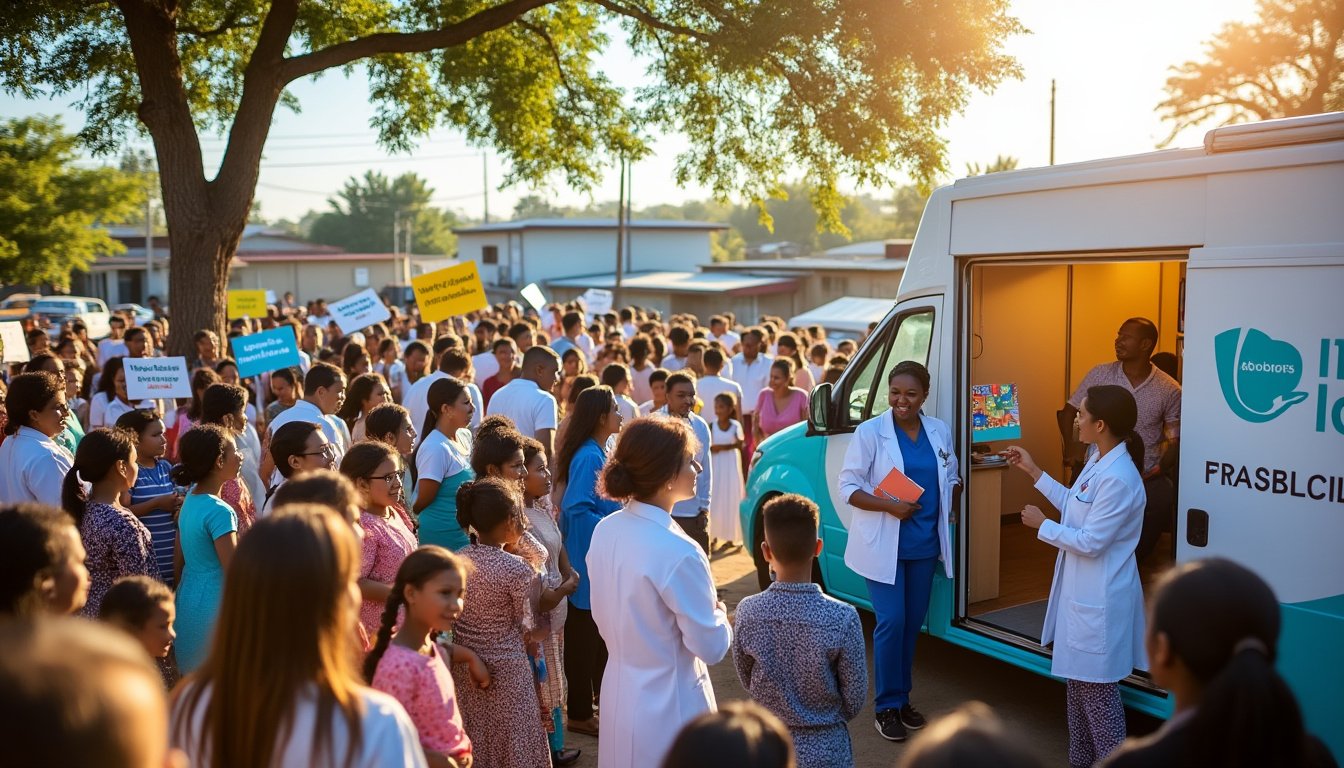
(653, 598)
(896, 543)
(1095, 614)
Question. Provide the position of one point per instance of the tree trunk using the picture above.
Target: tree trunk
(198, 281)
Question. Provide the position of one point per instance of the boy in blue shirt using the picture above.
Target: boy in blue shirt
(798, 652)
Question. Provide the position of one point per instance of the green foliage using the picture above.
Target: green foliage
(363, 214)
(1288, 62)
(908, 203)
(49, 208)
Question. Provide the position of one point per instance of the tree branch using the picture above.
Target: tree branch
(407, 42)
(541, 32)
(230, 22)
(644, 17)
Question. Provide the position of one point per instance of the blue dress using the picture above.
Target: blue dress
(438, 457)
(203, 519)
(581, 509)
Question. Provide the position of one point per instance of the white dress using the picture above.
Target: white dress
(726, 487)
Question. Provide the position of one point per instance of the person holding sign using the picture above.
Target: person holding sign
(899, 474)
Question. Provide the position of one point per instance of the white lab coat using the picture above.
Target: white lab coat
(1095, 614)
(874, 536)
(654, 602)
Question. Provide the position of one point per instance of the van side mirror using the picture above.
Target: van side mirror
(819, 408)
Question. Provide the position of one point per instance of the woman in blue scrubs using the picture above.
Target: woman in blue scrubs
(896, 543)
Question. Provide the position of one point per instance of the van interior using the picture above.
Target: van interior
(1040, 324)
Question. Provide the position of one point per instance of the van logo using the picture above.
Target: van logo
(1259, 375)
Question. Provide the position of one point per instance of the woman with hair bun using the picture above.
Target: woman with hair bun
(1213, 631)
(207, 536)
(504, 719)
(653, 597)
(1095, 613)
(116, 542)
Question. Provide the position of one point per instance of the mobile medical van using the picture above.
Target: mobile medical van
(1017, 284)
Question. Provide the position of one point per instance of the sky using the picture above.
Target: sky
(1108, 60)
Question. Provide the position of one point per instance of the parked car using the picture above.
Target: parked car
(17, 306)
(139, 314)
(57, 310)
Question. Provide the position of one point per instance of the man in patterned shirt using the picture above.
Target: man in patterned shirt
(1158, 398)
(798, 652)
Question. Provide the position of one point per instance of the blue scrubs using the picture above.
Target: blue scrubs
(900, 607)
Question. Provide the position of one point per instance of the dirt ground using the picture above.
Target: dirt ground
(945, 677)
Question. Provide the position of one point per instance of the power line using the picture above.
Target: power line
(375, 204)
(319, 163)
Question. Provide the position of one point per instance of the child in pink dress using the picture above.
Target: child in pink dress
(411, 666)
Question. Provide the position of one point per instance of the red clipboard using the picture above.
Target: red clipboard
(899, 487)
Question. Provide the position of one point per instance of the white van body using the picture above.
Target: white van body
(1236, 251)
(59, 309)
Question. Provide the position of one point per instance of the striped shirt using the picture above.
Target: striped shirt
(149, 483)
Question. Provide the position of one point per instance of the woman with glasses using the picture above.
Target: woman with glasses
(32, 464)
(374, 469)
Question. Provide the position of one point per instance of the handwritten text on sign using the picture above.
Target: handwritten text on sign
(246, 304)
(266, 351)
(453, 291)
(13, 345)
(157, 378)
(359, 311)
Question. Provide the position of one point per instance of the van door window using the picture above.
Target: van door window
(909, 341)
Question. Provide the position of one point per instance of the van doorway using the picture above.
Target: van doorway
(1036, 327)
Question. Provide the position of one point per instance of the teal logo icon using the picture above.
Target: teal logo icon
(1259, 375)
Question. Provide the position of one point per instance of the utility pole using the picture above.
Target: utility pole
(1052, 121)
(485, 185)
(396, 240)
(620, 239)
(149, 244)
(629, 216)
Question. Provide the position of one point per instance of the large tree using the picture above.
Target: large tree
(1288, 62)
(50, 208)
(365, 214)
(856, 88)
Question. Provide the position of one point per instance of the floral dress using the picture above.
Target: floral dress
(118, 544)
(547, 532)
(424, 686)
(501, 720)
(387, 541)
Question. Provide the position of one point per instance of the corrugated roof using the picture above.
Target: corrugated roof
(682, 282)
(808, 264)
(521, 224)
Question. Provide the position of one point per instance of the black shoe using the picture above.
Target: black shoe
(889, 725)
(911, 718)
(565, 757)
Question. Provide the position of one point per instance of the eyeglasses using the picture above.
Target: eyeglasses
(391, 478)
(328, 449)
(60, 407)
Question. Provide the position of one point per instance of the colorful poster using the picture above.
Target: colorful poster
(247, 304)
(448, 292)
(995, 413)
(266, 351)
(357, 312)
(157, 378)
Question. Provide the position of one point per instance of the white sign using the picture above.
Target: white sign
(534, 296)
(156, 378)
(270, 296)
(598, 301)
(357, 312)
(361, 277)
(13, 346)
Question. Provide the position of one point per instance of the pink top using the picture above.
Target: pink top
(387, 541)
(423, 685)
(770, 420)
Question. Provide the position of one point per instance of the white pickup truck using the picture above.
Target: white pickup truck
(58, 309)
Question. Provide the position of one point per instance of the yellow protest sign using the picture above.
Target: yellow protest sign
(249, 303)
(455, 290)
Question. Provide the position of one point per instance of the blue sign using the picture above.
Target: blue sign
(266, 351)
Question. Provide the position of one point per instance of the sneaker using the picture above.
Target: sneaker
(911, 718)
(889, 725)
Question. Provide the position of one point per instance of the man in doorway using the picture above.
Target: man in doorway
(691, 514)
(528, 401)
(1158, 398)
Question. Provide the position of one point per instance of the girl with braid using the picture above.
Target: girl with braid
(431, 586)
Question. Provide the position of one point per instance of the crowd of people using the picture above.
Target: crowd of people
(450, 544)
